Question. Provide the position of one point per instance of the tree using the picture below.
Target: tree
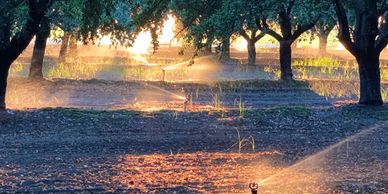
(365, 39)
(293, 17)
(323, 28)
(244, 17)
(65, 15)
(194, 15)
(68, 16)
(12, 40)
(214, 26)
(234, 18)
(64, 45)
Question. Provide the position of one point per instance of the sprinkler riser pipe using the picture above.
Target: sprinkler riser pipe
(186, 103)
(164, 75)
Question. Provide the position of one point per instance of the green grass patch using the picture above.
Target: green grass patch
(365, 112)
(295, 111)
(259, 84)
(91, 113)
(322, 62)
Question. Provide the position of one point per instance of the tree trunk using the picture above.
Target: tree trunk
(208, 49)
(225, 53)
(36, 68)
(251, 52)
(4, 68)
(323, 44)
(73, 46)
(64, 45)
(369, 70)
(285, 60)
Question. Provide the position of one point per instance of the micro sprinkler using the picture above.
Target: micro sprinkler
(186, 102)
(164, 75)
(254, 188)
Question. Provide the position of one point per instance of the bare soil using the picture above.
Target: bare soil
(102, 137)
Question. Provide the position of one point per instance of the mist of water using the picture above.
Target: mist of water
(310, 170)
(174, 95)
(175, 66)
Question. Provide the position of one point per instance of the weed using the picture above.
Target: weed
(239, 141)
(384, 74)
(242, 141)
(252, 141)
(273, 70)
(175, 115)
(17, 68)
(384, 94)
(217, 101)
(241, 107)
(322, 62)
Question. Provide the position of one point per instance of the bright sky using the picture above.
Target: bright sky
(144, 40)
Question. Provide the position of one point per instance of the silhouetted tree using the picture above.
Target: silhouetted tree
(293, 17)
(12, 41)
(366, 40)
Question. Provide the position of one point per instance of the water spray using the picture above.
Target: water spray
(187, 63)
(324, 152)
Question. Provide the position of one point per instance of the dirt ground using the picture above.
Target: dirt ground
(94, 136)
(133, 137)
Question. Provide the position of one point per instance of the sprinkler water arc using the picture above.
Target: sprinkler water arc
(186, 99)
(174, 66)
(323, 152)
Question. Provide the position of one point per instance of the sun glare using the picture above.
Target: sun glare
(168, 34)
(142, 43)
(340, 47)
(240, 44)
(105, 40)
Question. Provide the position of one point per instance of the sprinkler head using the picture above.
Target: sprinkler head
(186, 103)
(164, 75)
(254, 188)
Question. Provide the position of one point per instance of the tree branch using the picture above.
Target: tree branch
(21, 40)
(263, 27)
(291, 4)
(300, 29)
(244, 35)
(382, 40)
(259, 36)
(344, 33)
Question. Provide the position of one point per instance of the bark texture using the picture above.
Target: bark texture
(36, 68)
(64, 48)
